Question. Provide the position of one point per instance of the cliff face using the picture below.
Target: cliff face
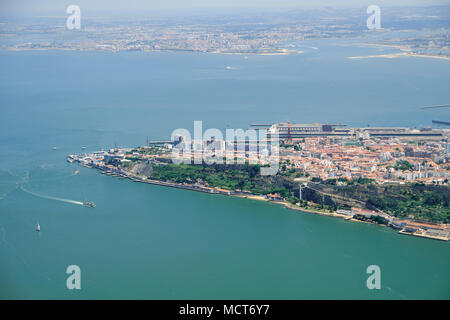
(142, 168)
(427, 202)
(330, 197)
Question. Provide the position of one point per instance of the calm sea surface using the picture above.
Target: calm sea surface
(144, 241)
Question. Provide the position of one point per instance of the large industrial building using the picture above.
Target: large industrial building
(292, 131)
(287, 130)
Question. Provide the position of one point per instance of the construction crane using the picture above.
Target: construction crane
(289, 138)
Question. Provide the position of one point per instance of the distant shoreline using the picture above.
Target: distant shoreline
(275, 52)
(405, 52)
(401, 54)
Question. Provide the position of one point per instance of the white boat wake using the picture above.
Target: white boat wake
(50, 197)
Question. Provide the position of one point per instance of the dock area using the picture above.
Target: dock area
(423, 235)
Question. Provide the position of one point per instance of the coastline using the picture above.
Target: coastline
(413, 228)
(274, 52)
(405, 52)
(246, 196)
(284, 203)
(401, 54)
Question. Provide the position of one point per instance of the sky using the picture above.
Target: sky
(39, 7)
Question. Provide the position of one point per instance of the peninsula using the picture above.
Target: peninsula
(396, 177)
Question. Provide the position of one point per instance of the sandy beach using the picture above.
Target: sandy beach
(399, 55)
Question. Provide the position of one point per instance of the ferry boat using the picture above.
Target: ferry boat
(89, 204)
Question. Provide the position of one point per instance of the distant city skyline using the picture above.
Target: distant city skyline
(39, 7)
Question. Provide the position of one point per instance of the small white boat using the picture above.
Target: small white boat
(89, 204)
(54, 148)
(38, 228)
(83, 147)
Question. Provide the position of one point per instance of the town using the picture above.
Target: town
(317, 162)
(264, 33)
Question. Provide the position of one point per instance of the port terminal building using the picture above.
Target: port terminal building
(295, 131)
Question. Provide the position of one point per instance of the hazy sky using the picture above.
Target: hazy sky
(36, 7)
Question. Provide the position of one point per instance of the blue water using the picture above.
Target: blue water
(144, 241)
